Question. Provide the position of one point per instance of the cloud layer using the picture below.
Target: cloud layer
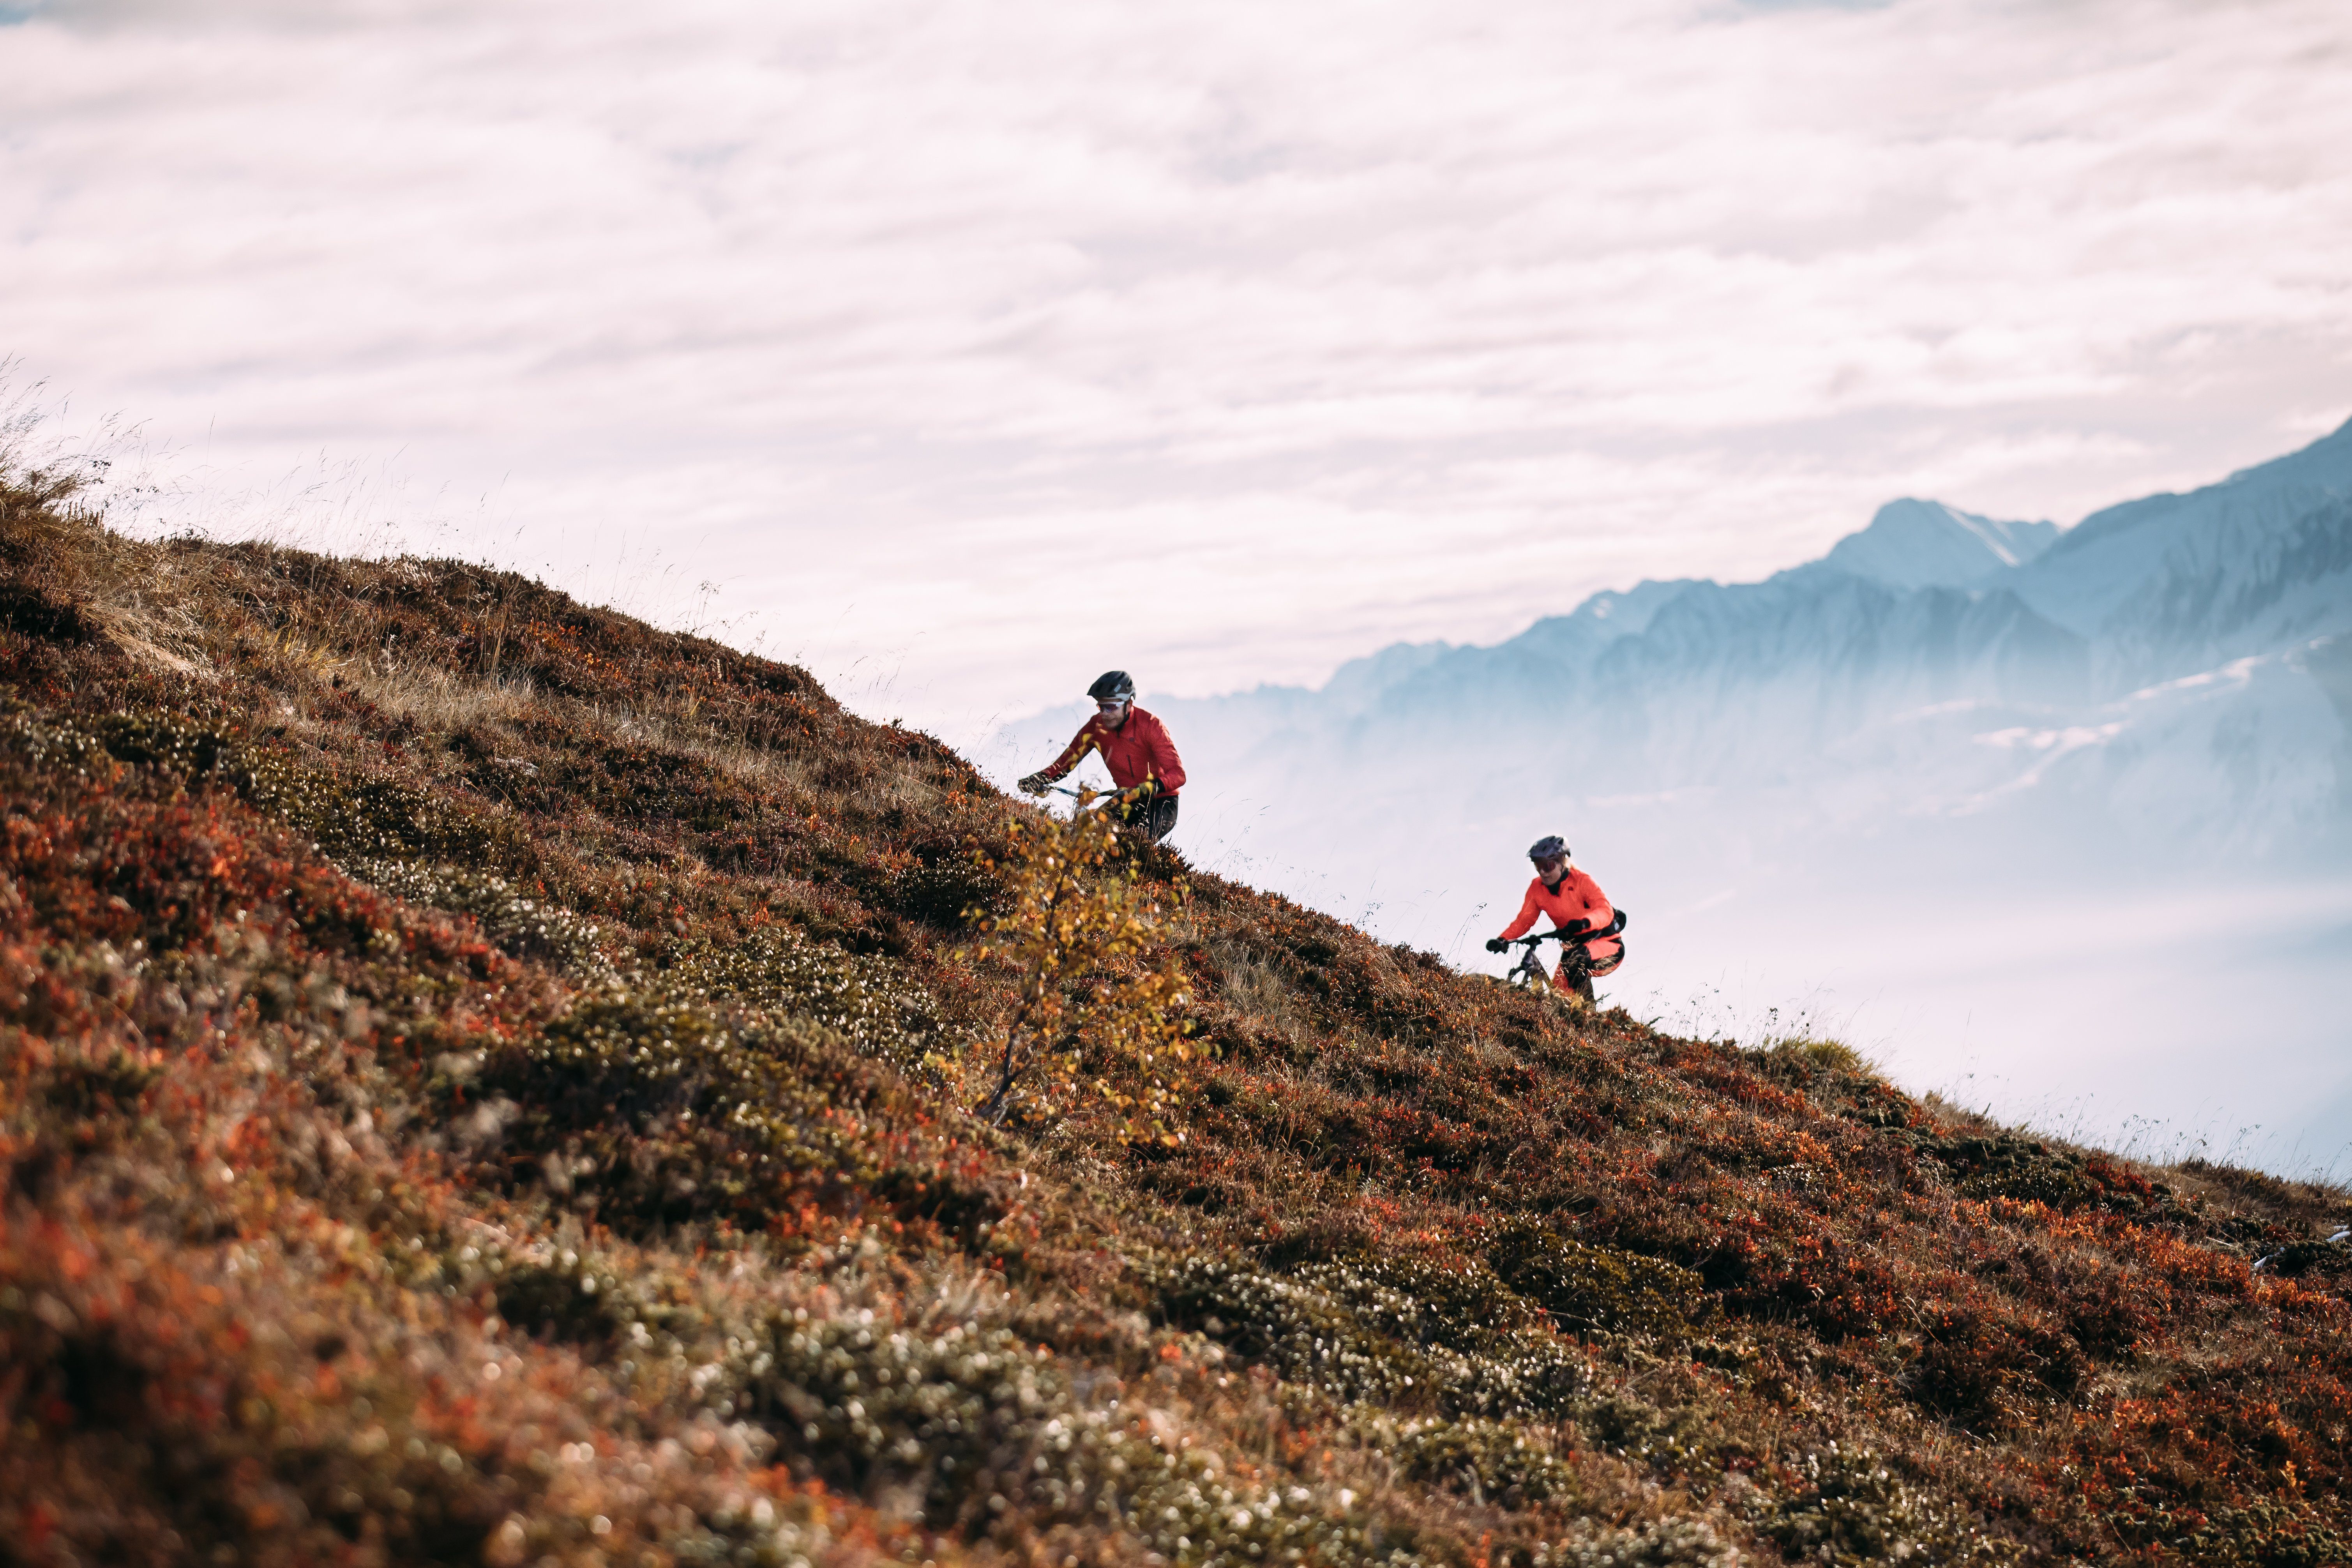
(988, 345)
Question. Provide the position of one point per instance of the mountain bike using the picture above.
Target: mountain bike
(1092, 799)
(1154, 816)
(1576, 971)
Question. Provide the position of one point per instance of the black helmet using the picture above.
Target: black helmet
(1549, 845)
(1112, 687)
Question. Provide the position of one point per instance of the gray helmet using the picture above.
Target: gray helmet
(1549, 845)
(1112, 687)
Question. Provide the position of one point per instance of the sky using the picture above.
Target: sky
(962, 351)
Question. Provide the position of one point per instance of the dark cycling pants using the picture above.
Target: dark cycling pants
(1574, 973)
(1155, 818)
(1576, 970)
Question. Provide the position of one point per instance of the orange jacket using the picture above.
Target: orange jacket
(1578, 897)
(1136, 750)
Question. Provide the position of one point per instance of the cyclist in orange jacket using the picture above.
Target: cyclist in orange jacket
(1135, 747)
(1572, 900)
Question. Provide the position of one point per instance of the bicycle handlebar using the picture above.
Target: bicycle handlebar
(1611, 930)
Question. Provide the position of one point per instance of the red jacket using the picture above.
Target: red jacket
(1136, 750)
(1578, 898)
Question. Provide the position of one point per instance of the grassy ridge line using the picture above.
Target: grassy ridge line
(667, 1134)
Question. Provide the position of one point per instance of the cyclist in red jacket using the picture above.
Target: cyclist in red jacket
(1568, 897)
(1135, 747)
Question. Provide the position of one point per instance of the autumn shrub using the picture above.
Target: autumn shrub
(644, 1109)
(2030, 1170)
(2326, 1261)
(1079, 939)
(946, 892)
(1820, 1055)
(1974, 1368)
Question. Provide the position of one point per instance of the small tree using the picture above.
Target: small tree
(1080, 932)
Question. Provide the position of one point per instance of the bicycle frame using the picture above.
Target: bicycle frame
(1529, 970)
(1093, 801)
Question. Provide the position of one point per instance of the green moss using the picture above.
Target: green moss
(739, 1081)
(565, 1301)
(1299, 1331)
(154, 740)
(534, 929)
(648, 1110)
(2024, 1170)
(1490, 1461)
(983, 1426)
(972, 1413)
(1390, 1331)
(109, 1083)
(379, 818)
(52, 747)
(1662, 1543)
(945, 894)
(2266, 1533)
(372, 818)
(1674, 1440)
(1601, 1288)
(869, 1002)
(1855, 1509)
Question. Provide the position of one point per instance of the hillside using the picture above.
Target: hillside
(486, 1081)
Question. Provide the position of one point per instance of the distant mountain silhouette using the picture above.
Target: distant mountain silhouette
(2175, 665)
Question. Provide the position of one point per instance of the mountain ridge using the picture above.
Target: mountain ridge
(2331, 454)
(1913, 544)
(1664, 685)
